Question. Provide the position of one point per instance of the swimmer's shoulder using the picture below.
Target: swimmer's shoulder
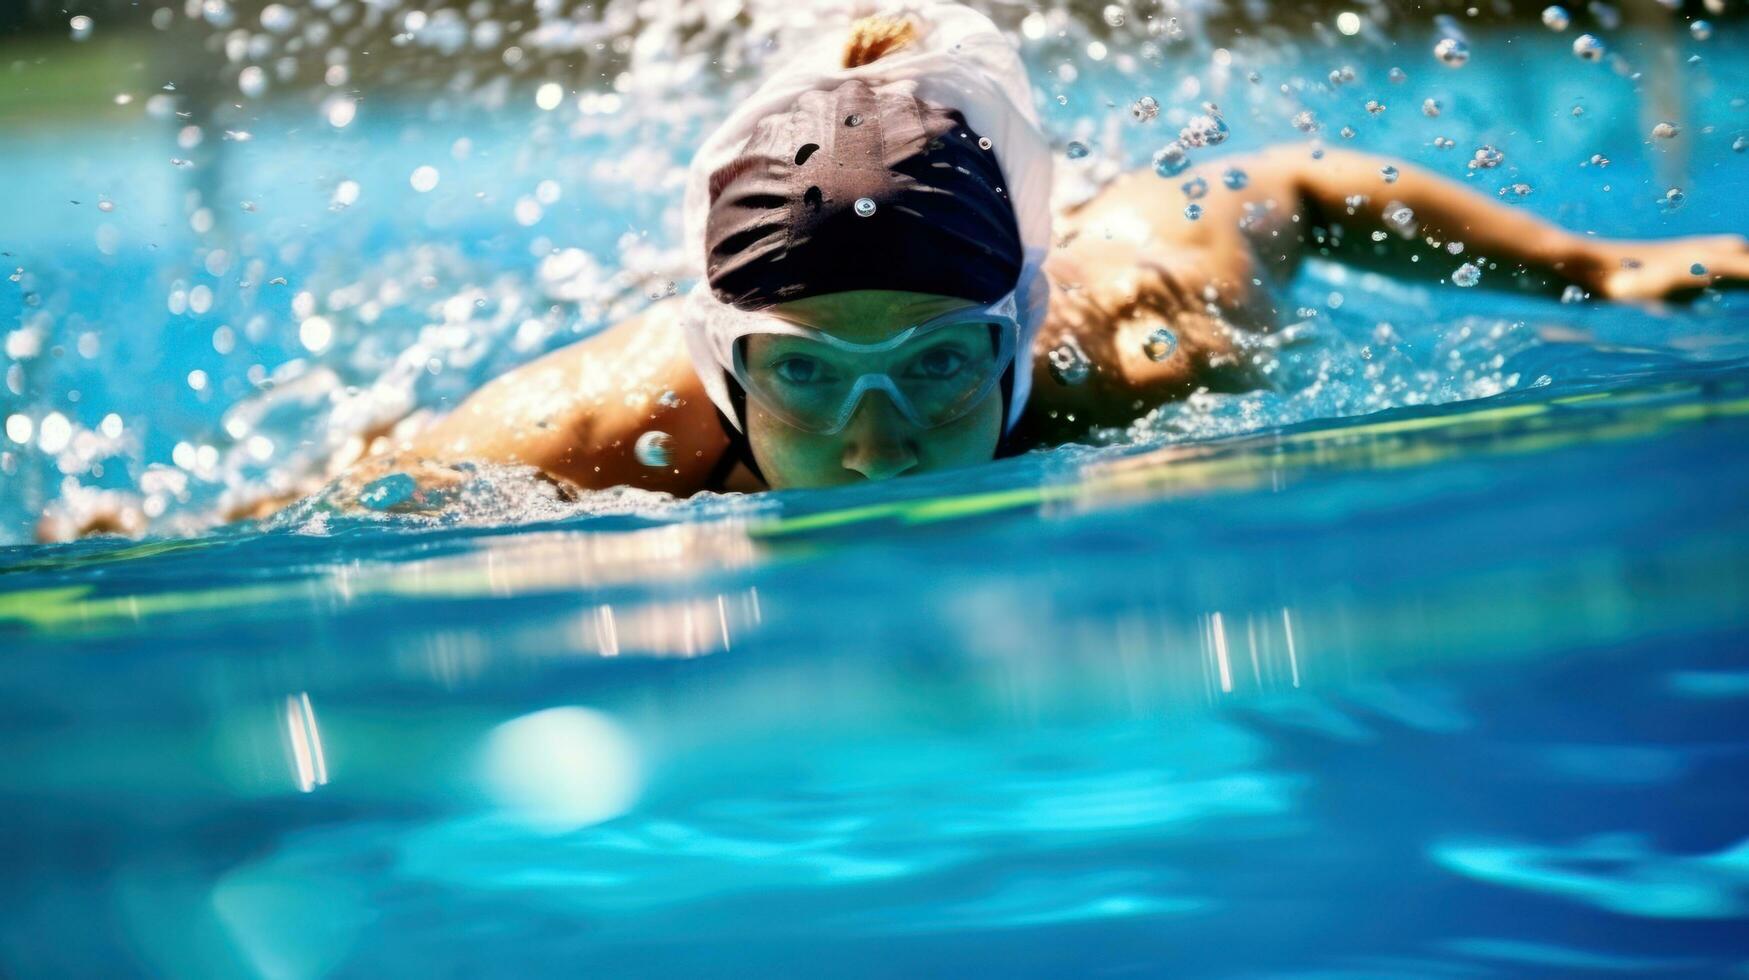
(579, 413)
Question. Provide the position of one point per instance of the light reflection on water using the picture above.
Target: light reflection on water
(1380, 674)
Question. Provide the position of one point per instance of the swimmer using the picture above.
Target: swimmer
(887, 293)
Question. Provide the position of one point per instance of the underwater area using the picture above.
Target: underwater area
(1429, 658)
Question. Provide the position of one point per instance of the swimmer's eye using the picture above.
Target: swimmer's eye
(798, 370)
(938, 364)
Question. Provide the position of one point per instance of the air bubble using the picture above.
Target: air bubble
(1487, 157)
(1697, 269)
(1467, 275)
(984, 143)
(1452, 52)
(1195, 188)
(424, 179)
(1075, 150)
(1235, 179)
(1665, 131)
(1701, 30)
(1588, 48)
(1193, 211)
(1573, 294)
(1430, 108)
(1374, 106)
(1556, 18)
(80, 27)
(865, 206)
(1145, 109)
(1305, 121)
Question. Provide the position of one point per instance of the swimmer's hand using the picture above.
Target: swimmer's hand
(1671, 269)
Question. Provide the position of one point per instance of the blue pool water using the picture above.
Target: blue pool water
(1428, 661)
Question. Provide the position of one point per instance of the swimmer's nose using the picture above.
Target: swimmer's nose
(877, 440)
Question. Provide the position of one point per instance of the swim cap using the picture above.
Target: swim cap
(959, 61)
(856, 188)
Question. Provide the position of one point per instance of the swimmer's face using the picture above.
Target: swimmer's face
(878, 442)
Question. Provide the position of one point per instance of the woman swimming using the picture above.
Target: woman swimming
(885, 294)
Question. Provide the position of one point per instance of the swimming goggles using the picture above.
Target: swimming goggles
(934, 372)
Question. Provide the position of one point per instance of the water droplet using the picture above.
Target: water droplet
(278, 18)
(388, 492)
(1145, 109)
(1195, 188)
(424, 179)
(1556, 18)
(1207, 129)
(865, 206)
(1172, 160)
(1075, 150)
(80, 27)
(1235, 179)
(1588, 48)
(1665, 131)
(1701, 30)
(652, 449)
(315, 333)
(1467, 275)
(1068, 365)
(345, 196)
(252, 81)
(1160, 344)
(1430, 108)
(1452, 52)
(1192, 211)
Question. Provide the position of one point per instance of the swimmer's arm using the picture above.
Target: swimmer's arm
(576, 416)
(1521, 251)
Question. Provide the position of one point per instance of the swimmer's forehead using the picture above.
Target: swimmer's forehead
(868, 316)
